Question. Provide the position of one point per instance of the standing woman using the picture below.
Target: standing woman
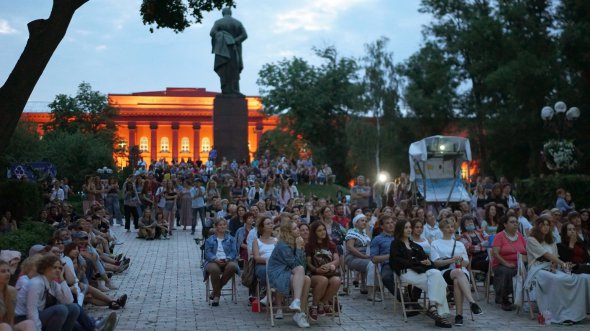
(507, 244)
(8, 303)
(186, 209)
(89, 190)
(49, 302)
(357, 256)
(170, 196)
(145, 197)
(323, 262)
(220, 256)
(286, 270)
(212, 192)
(130, 202)
(452, 254)
(112, 201)
(412, 265)
(285, 194)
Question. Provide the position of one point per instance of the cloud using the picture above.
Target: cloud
(318, 15)
(100, 48)
(5, 27)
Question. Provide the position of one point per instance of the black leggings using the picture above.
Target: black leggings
(129, 211)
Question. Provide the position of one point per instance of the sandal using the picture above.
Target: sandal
(114, 305)
(122, 300)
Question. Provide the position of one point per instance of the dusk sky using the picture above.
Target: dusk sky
(108, 46)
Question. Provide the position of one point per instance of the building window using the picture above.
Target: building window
(164, 145)
(143, 144)
(184, 145)
(205, 145)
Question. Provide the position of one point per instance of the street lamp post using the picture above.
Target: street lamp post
(559, 154)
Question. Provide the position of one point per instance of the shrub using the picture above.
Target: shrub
(28, 234)
(21, 198)
(540, 192)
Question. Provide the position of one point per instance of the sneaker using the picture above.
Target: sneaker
(279, 314)
(295, 305)
(321, 310)
(475, 309)
(313, 313)
(458, 320)
(300, 319)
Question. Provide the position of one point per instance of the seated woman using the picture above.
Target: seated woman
(417, 230)
(323, 263)
(147, 226)
(262, 247)
(357, 258)
(220, 258)
(8, 302)
(49, 302)
(286, 270)
(572, 249)
(161, 226)
(476, 243)
(451, 255)
(508, 243)
(565, 296)
(409, 262)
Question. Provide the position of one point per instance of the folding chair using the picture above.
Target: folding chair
(233, 291)
(378, 284)
(401, 291)
(521, 274)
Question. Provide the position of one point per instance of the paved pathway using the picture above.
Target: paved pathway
(166, 292)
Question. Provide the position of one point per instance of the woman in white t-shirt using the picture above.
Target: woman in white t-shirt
(450, 253)
(262, 247)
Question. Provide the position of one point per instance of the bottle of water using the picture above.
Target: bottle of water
(547, 315)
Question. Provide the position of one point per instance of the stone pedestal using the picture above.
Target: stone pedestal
(230, 127)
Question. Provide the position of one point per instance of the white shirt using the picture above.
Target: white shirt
(431, 233)
(220, 252)
(441, 249)
(252, 235)
(35, 301)
(524, 225)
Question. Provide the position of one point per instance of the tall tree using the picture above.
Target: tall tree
(46, 34)
(314, 101)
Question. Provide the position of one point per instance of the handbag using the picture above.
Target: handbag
(249, 274)
(50, 300)
(324, 257)
(445, 267)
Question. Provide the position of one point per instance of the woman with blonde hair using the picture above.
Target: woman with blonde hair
(286, 270)
(8, 303)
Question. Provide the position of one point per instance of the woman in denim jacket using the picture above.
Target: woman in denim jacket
(220, 259)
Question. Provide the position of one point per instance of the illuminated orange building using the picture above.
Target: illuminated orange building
(173, 124)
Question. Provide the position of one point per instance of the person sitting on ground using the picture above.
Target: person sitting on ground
(356, 258)
(476, 243)
(412, 265)
(161, 226)
(508, 243)
(573, 250)
(147, 226)
(564, 295)
(286, 270)
(220, 259)
(49, 302)
(8, 302)
(323, 263)
(452, 255)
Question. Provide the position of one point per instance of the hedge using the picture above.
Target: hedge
(28, 234)
(540, 192)
(23, 199)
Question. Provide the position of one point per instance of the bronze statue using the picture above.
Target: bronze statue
(227, 36)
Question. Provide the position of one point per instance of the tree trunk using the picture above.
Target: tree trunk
(44, 37)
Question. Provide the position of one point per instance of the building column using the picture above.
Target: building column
(259, 128)
(175, 141)
(196, 141)
(154, 141)
(132, 141)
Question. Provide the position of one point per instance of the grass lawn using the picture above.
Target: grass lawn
(322, 191)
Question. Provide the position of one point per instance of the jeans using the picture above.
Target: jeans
(113, 208)
(84, 322)
(131, 211)
(59, 317)
(201, 213)
(387, 278)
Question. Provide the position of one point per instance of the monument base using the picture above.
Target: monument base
(230, 127)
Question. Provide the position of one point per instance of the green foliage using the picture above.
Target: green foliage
(77, 154)
(28, 234)
(23, 199)
(540, 192)
(279, 142)
(24, 144)
(176, 14)
(314, 102)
